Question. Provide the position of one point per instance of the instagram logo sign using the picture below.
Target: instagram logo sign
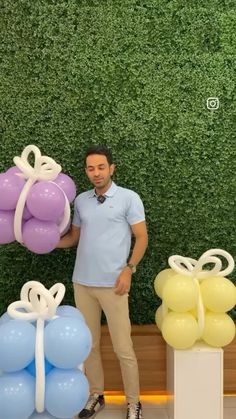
(213, 103)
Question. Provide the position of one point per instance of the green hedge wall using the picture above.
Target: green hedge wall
(135, 75)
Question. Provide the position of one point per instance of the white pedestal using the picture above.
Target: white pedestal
(195, 382)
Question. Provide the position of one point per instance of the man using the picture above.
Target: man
(104, 220)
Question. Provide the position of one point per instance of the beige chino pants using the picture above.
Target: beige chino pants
(91, 301)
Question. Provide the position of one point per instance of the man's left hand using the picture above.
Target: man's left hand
(123, 282)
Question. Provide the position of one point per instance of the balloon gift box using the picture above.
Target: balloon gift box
(194, 323)
(35, 202)
(42, 344)
(195, 301)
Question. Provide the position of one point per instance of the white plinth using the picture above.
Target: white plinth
(195, 382)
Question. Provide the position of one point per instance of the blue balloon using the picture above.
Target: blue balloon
(69, 311)
(17, 395)
(6, 318)
(67, 392)
(17, 345)
(67, 342)
(44, 415)
(32, 367)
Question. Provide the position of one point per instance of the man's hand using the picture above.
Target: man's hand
(123, 282)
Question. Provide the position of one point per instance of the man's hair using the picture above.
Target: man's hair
(99, 149)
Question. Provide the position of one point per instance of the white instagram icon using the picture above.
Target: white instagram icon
(213, 103)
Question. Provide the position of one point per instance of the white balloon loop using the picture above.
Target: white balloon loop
(45, 168)
(39, 304)
(191, 267)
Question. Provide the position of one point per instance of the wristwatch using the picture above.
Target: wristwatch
(132, 267)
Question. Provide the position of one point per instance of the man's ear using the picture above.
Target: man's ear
(112, 168)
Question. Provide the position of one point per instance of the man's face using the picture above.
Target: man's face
(99, 171)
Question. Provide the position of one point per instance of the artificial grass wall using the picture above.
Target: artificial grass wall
(135, 75)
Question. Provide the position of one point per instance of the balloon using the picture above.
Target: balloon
(72, 336)
(32, 368)
(218, 294)
(6, 318)
(180, 293)
(17, 343)
(67, 185)
(159, 317)
(44, 415)
(67, 392)
(40, 236)
(46, 201)
(26, 214)
(67, 227)
(14, 170)
(161, 279)
(7, 227)
(69, 311)
(180, 330)
(17, 393)
(10, 189)
(219, 329)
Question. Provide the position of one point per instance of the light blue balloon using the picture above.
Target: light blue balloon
(17, 345)
(67, 392)
(67, 342)
(6, 318)
(44, 415)
(69, 311)
(32, 367)
(17, 395)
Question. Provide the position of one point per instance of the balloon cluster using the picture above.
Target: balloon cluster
(41, 346)
(195, 301)
(34, 202)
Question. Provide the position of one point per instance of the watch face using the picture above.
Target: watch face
(132, 267)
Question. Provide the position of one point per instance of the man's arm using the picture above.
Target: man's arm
(123, 281)
(71, 238)
(141, 241)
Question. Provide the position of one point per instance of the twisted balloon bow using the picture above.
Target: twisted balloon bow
(45, 169)
(39, 304)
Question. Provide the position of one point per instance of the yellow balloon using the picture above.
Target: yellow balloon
(160, 280)
(159, 316)
(180, 330)
(180, 293)
(218, 294)
(219, 329)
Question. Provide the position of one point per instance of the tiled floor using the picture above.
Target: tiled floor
(154, 407)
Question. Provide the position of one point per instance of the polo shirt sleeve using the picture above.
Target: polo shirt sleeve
(135, 211)
(76, 219)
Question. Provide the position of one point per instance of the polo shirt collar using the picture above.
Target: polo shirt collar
(109, 193)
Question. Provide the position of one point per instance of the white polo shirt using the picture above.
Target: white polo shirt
(105, 235)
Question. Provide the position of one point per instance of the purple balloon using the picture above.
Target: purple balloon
(10, 189)
(46, 201)
(26, 214)
(14, 171)
(67, 185)
(40, 236)
(7, 227)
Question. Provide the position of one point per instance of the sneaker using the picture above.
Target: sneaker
(93, 405)
(134, 411)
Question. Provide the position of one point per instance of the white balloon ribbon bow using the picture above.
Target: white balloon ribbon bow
(45, 168)
(39, 304)
(194, 269)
